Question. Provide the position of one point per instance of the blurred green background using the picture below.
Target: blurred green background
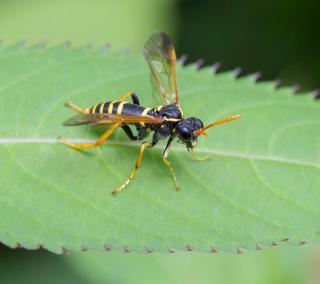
(279, 38)
(285, 264)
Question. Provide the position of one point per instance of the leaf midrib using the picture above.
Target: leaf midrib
(205, 150)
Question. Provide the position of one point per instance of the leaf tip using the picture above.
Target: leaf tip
(316, 94)
(189, 248)
(301, 243)
(107, 247)
(237, 71)
(83, 248)
(171, 250)
(126, 249)
(18, 245)
(40, 246)
(199, 63)
(213, 249)
(182, 59)
(64, 250)
(148, 250)
(296, 88)
(215, 67)
(239, 251)
(256, 76)
(277, 83)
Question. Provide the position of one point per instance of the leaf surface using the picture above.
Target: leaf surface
(261, 186)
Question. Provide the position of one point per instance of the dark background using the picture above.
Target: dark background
(279, 38)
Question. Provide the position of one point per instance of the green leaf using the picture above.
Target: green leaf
(261, 186)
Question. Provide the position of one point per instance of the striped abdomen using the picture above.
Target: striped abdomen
(116, 107)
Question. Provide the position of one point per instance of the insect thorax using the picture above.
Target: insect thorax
(170, 112)
(171, 115)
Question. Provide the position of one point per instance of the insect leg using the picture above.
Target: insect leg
(129, 133)
(133, 95)
(101, 140)
(168, 164)
(124, 97)
(143, 133)
(135, 98)
(137, 165)
(76, 108)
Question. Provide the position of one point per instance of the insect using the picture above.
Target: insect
(166, 121)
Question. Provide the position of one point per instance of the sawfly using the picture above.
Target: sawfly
(165, 121)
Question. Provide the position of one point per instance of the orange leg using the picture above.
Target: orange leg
(168, 164)
(77, 108)
(124, 97)
(136, 166)
(101, 140)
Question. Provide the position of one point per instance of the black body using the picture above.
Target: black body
(173, 125)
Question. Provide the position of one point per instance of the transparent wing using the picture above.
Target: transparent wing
(98, 118)
(161, 57)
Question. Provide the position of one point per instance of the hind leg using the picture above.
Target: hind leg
(142, 133)
(129, 133)
(77, 108)
(134, 97)
(99, 142)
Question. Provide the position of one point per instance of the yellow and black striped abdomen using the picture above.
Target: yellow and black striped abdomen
(116, 107)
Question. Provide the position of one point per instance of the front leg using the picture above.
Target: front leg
(167, 163)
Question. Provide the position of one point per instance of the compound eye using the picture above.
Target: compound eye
(185, 134)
